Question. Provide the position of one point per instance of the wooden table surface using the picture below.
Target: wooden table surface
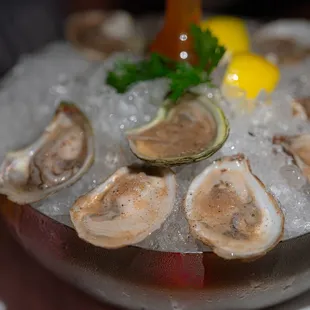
(25, 285)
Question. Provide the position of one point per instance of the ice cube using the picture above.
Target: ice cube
(293, 176)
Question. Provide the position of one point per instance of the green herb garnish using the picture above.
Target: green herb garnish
(127, 73)
(183, 77)
(181, 74)
(207, 48)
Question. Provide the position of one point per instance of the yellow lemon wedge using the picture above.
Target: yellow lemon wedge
(251, 73)
(230, 31)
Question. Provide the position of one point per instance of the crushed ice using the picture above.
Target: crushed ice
(34, 88)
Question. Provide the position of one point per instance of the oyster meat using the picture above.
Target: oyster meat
(229, 209)
(62, 154)
(285, 41)
(126, 208)
(98, 34)
(190, 130)
(299, 148)
(283, 51)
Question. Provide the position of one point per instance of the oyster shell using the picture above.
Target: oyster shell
(56, 160)
(301, 108)
(126, 208)
(98, 34)
(283, 51)
(284, 41)
(228, 208)
(299, 148)
(190, 130)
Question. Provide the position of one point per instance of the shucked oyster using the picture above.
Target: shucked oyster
(126, 208)
(284, 41)
(187, 131)
(299, 148)
(301, 108)
(283, 51)
(98, 34)
(56, 160)
(229, 209)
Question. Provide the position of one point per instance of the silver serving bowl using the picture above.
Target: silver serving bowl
(140, 279)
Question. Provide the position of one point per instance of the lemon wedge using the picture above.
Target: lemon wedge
(230, 31)
(252, 74)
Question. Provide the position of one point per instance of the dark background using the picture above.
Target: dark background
(264, 9)
(26, 25)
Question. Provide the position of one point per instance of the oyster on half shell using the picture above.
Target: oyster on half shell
(99, 34)
(60, 156)
(229, 209)
(299, 148)
(190, 130)
(283, 51)
(285, 41)
(126, 208)
(301, 108)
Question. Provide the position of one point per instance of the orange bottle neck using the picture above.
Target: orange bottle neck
(174, 40)
(181, 13)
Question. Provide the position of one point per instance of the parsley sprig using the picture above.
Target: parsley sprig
(182, 75)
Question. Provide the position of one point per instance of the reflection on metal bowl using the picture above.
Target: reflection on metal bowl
(139, 279)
